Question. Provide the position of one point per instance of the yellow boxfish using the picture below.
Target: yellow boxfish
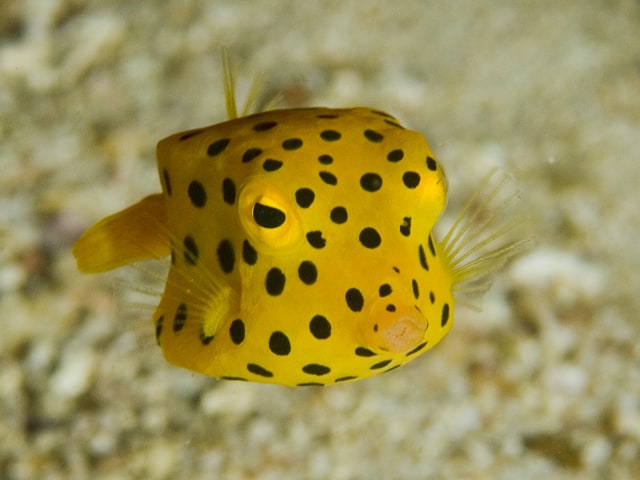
(301, 246)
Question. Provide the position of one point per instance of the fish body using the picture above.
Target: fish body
(343, 288)
(301, 246)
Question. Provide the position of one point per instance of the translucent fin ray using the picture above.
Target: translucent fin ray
(486, 233)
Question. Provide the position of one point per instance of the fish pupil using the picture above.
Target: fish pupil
(268, 217)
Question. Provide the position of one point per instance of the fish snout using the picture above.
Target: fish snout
(395, 324)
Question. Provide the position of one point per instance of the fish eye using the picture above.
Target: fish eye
(268, 217)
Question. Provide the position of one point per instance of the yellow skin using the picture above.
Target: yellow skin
(301, 247)
(226, 311)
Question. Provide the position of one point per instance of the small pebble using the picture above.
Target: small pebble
(74, 374)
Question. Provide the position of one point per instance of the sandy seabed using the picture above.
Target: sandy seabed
(544, 383)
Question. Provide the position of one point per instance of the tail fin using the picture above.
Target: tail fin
(133, 234)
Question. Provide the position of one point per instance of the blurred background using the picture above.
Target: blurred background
(544, 382)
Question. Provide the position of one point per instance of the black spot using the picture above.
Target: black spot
(371, 182)
(226, 256)
(405, 228)
(325, 159)
(354, 298)
(384, 290)
(330, 135)
(275, 281)
(345, 379)
(396, 269)
(263, 126)
(197, 194)
(250, 154)
(204, 338)
(310, 384)
(167, 181)
(370, 238)
(249, 254)
(373, 136)
(432, 298)
(411, 179)
(159, 325)
(432, 164)
(236, 331)
(315, 239)
(415, 288)
(395, 155)
(338, 215)
(217, 147)
(292, 144)
(445, 315)
(391, 308)
(378, 365)
(228, 191)
(268, 217)
(364, 352)
(239, 379)
(432, 247)
(271, 165)
(423, 258)
(279, 343)
(417, 349)
(258, 370)
(308, 272)
(328, 178)
(305, 197)
(191, 252)
(320, 327)
(315, 369)
(192, 133)
(180, 318)
(326, 115)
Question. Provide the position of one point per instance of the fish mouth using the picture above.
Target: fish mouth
(404, 334)
(395, 327)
